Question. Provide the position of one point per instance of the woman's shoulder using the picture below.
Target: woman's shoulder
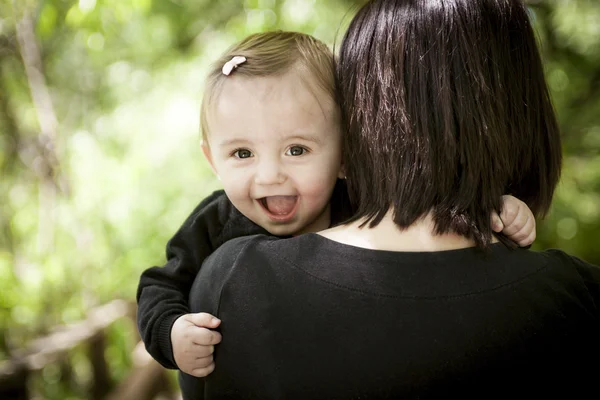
(261, 251)
(251, 249)
(232, 249)
(570, 271)
(560, 258)
(218, 268)
(590, 273)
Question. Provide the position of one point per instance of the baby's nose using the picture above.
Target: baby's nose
(269, 173)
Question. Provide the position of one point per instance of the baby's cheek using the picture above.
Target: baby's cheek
(236, 188)
(318, 190)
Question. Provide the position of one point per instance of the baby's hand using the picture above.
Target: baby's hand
(193, 343)
(516, 221)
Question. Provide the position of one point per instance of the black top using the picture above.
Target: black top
(163, 292)
(307, 318)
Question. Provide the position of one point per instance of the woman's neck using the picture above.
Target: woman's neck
(387, 236)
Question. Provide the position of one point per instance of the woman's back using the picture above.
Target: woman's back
(318, 319)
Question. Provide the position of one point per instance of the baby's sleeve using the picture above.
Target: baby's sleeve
(163, 292)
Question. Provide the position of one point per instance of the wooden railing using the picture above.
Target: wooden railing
(146, 380)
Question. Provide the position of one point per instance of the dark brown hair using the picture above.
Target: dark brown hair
(447, 109)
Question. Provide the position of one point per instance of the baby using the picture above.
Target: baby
(271, 132)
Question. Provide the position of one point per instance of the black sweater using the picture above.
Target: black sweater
(163, 292)
(310, 318)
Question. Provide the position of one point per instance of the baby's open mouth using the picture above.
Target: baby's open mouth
(279, 205)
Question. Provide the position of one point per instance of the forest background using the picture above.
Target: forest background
(99, 145)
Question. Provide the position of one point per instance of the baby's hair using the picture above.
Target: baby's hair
(270, 54)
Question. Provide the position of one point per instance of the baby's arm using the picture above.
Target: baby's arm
(516, 221)
(163, 291)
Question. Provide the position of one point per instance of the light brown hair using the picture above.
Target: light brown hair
(270, 54)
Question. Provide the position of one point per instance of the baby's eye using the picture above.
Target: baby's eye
(295, 151)
(242, 153)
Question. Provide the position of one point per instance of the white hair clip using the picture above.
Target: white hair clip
(233, 64)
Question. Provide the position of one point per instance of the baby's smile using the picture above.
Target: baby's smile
(280, 208)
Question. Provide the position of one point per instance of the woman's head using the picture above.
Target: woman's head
(271, 130)
(447, 109)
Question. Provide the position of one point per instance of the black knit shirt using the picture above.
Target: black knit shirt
(163, 292)
(310, 318)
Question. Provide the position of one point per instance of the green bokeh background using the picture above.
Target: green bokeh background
(90, 201)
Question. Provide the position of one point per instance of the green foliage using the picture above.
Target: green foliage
(87, 206)
(571, 48)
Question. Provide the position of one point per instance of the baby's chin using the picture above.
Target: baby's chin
(297, 227)
(284, 230)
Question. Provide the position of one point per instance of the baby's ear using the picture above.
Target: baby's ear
(208, 156)
(342, 172)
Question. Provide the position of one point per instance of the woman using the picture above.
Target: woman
(446, 108)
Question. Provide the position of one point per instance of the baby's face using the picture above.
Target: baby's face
(276, 146)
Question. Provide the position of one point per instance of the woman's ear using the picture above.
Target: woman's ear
(208, 156)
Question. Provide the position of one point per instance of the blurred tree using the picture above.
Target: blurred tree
(99, 152)
(569, 34)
